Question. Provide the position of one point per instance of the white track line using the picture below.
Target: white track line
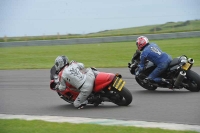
(170, 126)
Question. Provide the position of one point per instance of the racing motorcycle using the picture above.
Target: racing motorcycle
(108, 87)
(177, 76)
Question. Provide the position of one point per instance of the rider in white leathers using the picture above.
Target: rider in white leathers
(75, 74)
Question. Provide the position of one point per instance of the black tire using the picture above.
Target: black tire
(125, 97)
(193, 81)
(146, 86)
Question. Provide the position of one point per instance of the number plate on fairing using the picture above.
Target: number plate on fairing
(186, 66)
(119, 84)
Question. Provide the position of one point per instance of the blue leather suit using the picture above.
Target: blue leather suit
(154, 54)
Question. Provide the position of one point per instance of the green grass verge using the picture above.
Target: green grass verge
(99, 55)
(36, 126)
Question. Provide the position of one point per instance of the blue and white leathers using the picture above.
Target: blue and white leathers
(154, 54)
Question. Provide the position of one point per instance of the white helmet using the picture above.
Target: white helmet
(60, 62)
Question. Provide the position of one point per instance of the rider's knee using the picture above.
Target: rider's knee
(76, 104)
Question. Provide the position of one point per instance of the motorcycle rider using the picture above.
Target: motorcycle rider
(75, 74)
(151, 52)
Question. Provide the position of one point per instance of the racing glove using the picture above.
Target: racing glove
(139, 70)
(132, 67)
(57, 87)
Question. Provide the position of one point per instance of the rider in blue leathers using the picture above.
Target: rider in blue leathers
(151, 52)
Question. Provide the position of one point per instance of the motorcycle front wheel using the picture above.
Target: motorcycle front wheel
(146, 86)
(65, 98)
(122, 98)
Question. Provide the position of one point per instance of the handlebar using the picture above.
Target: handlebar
(136, 56)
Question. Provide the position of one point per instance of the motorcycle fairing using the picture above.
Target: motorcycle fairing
(103, 80)
(68, 92)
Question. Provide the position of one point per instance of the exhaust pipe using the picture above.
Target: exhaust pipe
(180, 78)
(191, 61)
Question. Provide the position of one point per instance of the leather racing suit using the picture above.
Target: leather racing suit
(154, 54)
(81, 79)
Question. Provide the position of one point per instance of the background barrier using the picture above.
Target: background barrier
(100, 39)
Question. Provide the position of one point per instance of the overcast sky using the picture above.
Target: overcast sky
(48, 17)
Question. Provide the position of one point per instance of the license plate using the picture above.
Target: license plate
(186, 66)
(119, 84)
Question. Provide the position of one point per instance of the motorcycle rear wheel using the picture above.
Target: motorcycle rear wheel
(124, 97)
(193, 81)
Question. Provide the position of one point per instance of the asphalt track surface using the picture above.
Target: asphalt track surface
(27, 92)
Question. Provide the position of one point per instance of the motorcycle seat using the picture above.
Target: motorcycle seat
(174, 62)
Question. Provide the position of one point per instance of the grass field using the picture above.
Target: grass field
(97, 55)
(169, 27)
(36, 126)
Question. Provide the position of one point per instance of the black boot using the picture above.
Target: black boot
(168, 82)
(147, 80)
